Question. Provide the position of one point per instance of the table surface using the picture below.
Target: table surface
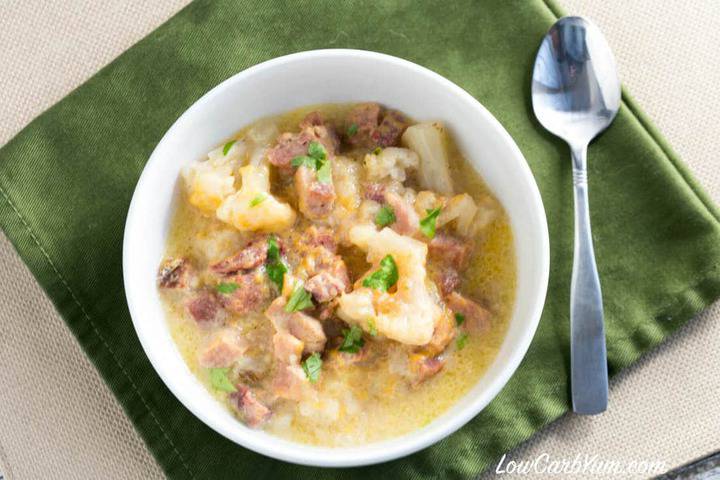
(69, 426)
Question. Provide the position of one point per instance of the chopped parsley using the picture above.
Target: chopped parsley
(275, 268)
(353, 340)
(226, 287)
(459, 319)
(317, 160)
(300, 299)
(312, 366)
(220, 381)
(384, 277)
(385, 216)
(372, 328)
(228, 146)
(427, 224)
(352, 130)
(258, 199)
(377, 151)
(461, 341)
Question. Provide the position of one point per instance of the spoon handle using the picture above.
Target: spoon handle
(588, 357)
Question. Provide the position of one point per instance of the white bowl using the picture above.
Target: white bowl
(327, 76)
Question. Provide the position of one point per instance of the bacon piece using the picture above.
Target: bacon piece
(324, 286)
(375, 192)
(250, 256)
(174, 273)
(477, 318)
(447, 280)
(319, 237)
(291, 145)
(390, 130)
(428, 368)
(223, 349)
(306, 332)
(253, 412)
(372, 131)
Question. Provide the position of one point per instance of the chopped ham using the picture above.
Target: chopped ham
(251, 294)
(375, 192)
(289, 382)
(251, 256)
(428, 368)
(365, 128)
(306, 333)
(315, 199)
(174, 273)
(324, 286)
(223, 348)
(360, 124)
(309, 331)
(477, 318)
(442, 335)
(319, 237)
(291, 145)
(451, 251)
(447, 280)
(205, 309)
(407, 221)
(390, 130)
(253, 412)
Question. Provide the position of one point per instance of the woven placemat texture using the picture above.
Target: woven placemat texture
(59, 420)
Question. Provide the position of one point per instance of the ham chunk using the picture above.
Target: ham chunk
(325, 286)
(251, 293)
(174, 273)
(291, 145)
(451, 251)
(205, 309)
(223, 348)
(253, 412)
(477, 318)
(315, 199)
(375, 191)
(442, 335)
(319, 237)
(366, 128)
(447, 280)
(308, 330)
(407, 221)
(289, 382)
(305, 332)
(426, 369)
(251, 256)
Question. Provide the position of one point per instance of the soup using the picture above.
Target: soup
(337, 275)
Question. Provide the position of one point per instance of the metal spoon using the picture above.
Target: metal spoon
(576, 95)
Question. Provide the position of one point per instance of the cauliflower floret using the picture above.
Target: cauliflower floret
(253, 207)
(390, 163)
(462, 209)
(209, 182)
(346, 177)
(408, 314)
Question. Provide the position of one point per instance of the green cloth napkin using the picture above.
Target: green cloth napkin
(66, 182)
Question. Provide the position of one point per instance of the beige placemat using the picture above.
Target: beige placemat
(58, 419)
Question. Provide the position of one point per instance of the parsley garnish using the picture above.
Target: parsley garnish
(259, 198)
(353, 340)
(385, 216)
(228, 146)
(461, 341)
(459, 319)
(372, 328)
(226, 287)
(220, 381)
(377, 151)
(352, 130)
(317, 160)
(300, 299)
(384, 277)
(427, 224)
(275, 268)
(312, 366)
